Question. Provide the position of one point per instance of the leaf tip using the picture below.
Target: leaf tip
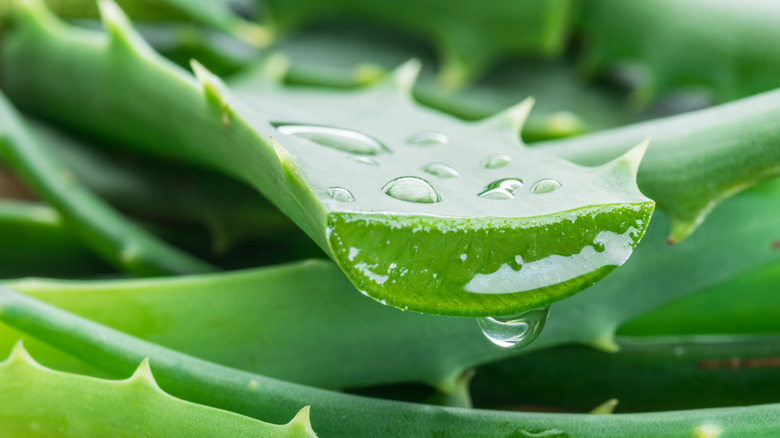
(19, 354)
(143, 374)
(405, 76)
(120, 31)
(630, 161)
(253, 34)
(606, 408)
(511, 119)
(213, 90)
(301, 423)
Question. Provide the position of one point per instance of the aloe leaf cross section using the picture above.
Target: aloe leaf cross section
(422, 211)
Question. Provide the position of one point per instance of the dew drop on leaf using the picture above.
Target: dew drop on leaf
(441, 170)
(496, 161)
(516, 330)
(412, 189)
(502, 189)
(428, 138)
(341, 194)
(335, 138)
(545, 185)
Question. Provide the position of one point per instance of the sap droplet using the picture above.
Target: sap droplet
(502, 189)
(545, 185)
(514, 331)
(334, 138)
(362, 159)
(441, 170)
(428, 138)
(341, 194)
(411, 189)
(496, 161)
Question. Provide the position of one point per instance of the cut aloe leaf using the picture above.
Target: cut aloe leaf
(422, 211)
(39, 402)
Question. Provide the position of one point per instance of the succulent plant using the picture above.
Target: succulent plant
(140, 163)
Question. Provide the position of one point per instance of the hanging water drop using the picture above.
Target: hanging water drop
(341, 194)
(411, 189)
(441, 170)
(334, 138)
(362, 159)
(496, 161)
(514, 331)
(428, 138)
(502, 189)
(545, 185)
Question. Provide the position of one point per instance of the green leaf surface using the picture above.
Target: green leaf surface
(647, 374)
(120, 242)
(336, 414)
(727, 50)
(42, 244)
(294, 148)
(469, 39)
(696, 159)
(263, 320)
(39, 402)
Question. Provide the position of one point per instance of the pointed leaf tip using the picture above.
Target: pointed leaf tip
(511, 119)
(633, 158)
(120, 30)
(302, 422)
(274, 67)
(405, 76)
(606, 408)
(34, 13)
(20, 354)
(144, 374)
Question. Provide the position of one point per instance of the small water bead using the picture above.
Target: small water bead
(441, 170)
(502, 189)
(545, 185)
(428, 138)
(334, 138)
(496, 161)
(341, 194)
(514, 331)
(361, 159)
(411, 189)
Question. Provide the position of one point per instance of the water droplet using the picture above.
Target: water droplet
(368, 161)
(428, 138)
(441, 170)
(545, 185)
(497, 160)
(341, 194)
(335, 138)
(411, 189)
(502, 189)
(514, 331)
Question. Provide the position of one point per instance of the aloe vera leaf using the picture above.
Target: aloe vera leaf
(214, 13)
(756, 311)
(308, 181)
(118, 241)
(36, 401)
(727, 49)
(268, 399)
(469, 38)
(37, 242)
(168, 191)
(697, 159)
(701, 372)
(295, 301)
